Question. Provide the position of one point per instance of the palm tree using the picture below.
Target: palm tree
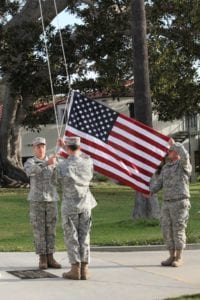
(144, 208)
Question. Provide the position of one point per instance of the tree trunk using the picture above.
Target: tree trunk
(10, 156)
(144, 208)
(9, 139)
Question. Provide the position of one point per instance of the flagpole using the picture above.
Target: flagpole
(70, 106)
(67, 109)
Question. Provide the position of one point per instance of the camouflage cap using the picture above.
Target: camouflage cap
(73, 140)
(39, 140)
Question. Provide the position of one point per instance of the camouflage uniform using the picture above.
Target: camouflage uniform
(174, 180)
(75, 174)
(43, 204)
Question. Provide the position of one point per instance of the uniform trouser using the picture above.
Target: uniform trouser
(76, 229)
(174, 218)
(43, 217)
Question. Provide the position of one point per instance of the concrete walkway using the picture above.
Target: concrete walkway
(114, 275)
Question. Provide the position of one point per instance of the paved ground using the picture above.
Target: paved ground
(115, 275)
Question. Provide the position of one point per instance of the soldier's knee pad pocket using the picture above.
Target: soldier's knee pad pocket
(184, 204)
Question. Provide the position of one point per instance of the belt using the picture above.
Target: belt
(174, 200)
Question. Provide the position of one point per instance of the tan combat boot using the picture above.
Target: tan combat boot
(178, 259)
(74, 273)
(52, 263)
(43, 262)
(84, 271)
(169, 261)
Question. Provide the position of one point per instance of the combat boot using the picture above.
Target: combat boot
(43, 262)
(51, 262)
(84, 271)
(169, 261)
(178, 259)
(74, 273)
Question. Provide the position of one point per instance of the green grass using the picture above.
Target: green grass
(112, 222)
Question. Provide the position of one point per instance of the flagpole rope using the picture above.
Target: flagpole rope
(49, 65)
(66, 68)
(66, 113)
(62, 46)
(59, 131)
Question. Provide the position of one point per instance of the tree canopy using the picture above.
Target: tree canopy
(174, 49)
(173, 42)
(102, 43)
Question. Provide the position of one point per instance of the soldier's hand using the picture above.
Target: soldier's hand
(171, 141)
(146, 195)
(60, 142)
(52, 160)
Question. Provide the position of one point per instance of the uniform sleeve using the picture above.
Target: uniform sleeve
(32, 167)
(89, 171)
(156, 183)
(184, 157)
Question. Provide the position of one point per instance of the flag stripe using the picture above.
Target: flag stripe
(122, 175)
(147, 130)
(62, 153)
(116, 169)
(145, 140)
(115, 173)
(118, 165)
(108, 167)
(121, 179)
(118, 155)
(135, 145)
(110, 156)
(122, 148)
(133, 152)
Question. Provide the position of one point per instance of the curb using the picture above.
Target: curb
(138, 248)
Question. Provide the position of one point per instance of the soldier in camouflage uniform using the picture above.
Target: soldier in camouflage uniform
(75, 174)
(43, 202)
(174, 180)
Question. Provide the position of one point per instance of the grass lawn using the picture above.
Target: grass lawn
(112, 223)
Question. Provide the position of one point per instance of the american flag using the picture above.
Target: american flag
(121, 147)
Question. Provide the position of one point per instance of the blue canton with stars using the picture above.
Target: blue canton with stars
(91, 117)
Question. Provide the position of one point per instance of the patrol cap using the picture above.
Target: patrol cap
(72, 140)
(172, 148)
(39, 140)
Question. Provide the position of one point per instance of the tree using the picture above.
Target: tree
(20, 65)
(174, 55)
(107, 41)
(173, 42)
(144, 207)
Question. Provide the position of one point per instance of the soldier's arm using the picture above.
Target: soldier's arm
(88, 172)
(156, 183)
(184, 157)
(33, 168)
